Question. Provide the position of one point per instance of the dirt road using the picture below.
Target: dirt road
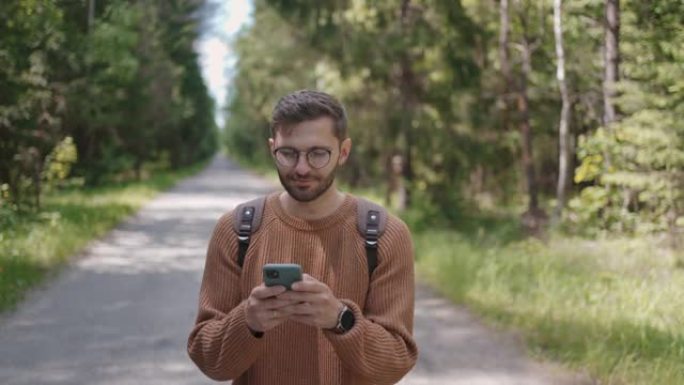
(121, 312)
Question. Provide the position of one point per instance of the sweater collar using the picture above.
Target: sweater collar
(344, 211)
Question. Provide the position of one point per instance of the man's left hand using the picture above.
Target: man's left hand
(314, 303)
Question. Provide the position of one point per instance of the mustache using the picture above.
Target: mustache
(299, 178)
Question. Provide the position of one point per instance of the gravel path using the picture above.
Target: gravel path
(121, 312)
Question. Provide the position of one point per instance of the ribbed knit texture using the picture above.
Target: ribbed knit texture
(378, 350)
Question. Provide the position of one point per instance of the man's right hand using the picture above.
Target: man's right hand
(263, 308)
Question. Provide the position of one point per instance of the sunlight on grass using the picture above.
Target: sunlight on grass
(614, 307)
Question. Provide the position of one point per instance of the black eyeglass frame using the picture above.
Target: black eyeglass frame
(299, 152)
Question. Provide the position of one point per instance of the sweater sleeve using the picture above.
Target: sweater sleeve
(380, 346)
(220, 343)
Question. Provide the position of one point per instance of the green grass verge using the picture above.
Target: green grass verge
(34, 244)
(613, 307)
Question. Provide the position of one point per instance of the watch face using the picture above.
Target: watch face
(347, 320)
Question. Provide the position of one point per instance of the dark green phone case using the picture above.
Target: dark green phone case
(284, 274)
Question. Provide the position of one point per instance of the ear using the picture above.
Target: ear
(271, 145)
(345, 150)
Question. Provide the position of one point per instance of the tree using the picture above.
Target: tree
(393, 116)
(118, 80)
(645, 146)
(611, 60)
(139, 96)
(564, 149)
(193, 136)
(422, 84)
(504, 63)
(31, 100)
(534, 216)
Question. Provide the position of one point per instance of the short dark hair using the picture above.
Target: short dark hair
(304, 105)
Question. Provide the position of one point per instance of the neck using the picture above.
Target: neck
(321, 207)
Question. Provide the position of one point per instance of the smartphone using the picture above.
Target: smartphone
(283, 274)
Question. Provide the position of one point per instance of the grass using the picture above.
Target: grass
(32, 245)
(612, 307)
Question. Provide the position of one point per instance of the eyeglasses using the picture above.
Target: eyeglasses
(289, 157)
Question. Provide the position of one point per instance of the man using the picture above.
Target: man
(255, 334)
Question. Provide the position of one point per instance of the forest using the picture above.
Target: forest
(91, 91)
(568, 111)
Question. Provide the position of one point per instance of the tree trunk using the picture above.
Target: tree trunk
(138, 168)
(611, 73)
(526, 134)
(525, 127)
(396, 169)
(409, 103)
(563, 126)
(611, 76)
(91, 14)
(408, 88)
(36, 170)
(504, 63)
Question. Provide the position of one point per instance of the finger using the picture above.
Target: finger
(276, 303)
(278, 316)
(304, 319)
(262, 291)
(300, 296)
(267, 315)
(270, 318)
(274, 314)
(302, 309)
(272, 323)
(309, 286)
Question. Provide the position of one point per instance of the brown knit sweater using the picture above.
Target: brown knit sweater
(379, 349)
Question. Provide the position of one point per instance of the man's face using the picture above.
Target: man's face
(303, 180)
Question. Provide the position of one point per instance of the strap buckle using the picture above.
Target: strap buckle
(245, 228)
(372, 229)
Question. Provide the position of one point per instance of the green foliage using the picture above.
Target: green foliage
(266, 69)
(59, 162)
(31, 100)
(637, 164)
(412, 94)
(613, 308)
(126, 88)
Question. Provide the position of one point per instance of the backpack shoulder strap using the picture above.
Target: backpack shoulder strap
(247, 221)
(371, 220)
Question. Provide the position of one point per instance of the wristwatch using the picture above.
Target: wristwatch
(345, 321)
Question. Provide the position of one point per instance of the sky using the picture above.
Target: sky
(216, 56)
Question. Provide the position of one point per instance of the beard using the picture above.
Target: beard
(316, 187)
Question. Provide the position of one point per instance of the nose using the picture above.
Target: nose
(302, 167)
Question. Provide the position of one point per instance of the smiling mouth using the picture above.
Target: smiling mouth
(303, 181)
(300, 179)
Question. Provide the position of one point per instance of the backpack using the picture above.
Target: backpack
(371, 222)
